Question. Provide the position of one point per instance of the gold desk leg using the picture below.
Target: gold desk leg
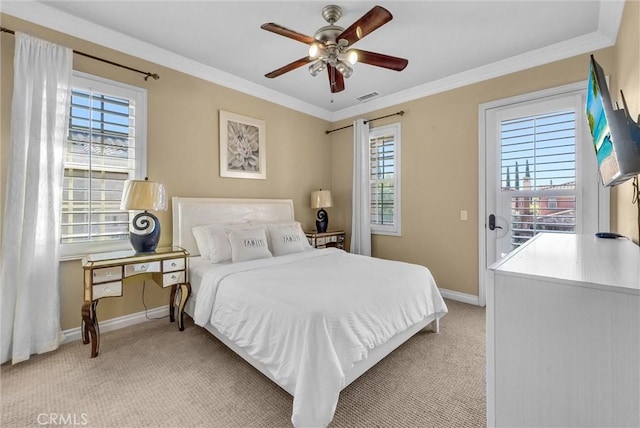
(172, 302)
(90, 327)
(85, 324)
(185, 291)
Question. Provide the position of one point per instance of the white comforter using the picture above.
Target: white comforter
(308, 317)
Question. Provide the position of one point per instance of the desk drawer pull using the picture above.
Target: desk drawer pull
(138, 268)
(107, 274)
(172, 265)
(172, 278)
(108, 289)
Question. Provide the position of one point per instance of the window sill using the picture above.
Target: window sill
(69, 252)
(386, 232)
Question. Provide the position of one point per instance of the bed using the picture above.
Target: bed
(312, 320)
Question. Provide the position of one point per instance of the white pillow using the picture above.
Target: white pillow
(269, 224)
(248, 244)
(213, 240)
(287, 239)
(200, 234)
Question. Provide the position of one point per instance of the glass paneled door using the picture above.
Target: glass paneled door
(540, 171)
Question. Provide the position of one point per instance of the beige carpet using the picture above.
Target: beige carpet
(152, 375)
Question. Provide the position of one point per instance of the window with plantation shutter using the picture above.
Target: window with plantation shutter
(384, 158)
(538, 173)
(105, 146)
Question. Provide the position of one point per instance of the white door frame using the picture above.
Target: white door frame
(603, 197)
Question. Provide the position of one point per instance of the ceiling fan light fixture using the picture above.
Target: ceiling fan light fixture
(344, 69)
(315, 50)
(317, 67)
(330, 48)
(350, 57)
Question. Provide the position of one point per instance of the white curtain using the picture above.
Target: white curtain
(361, 217)
(31, 228)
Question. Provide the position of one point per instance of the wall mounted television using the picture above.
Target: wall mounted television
(616, 137)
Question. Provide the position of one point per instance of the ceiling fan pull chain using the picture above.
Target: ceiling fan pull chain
(332, 82)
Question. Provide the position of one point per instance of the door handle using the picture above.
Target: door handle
(492, 223)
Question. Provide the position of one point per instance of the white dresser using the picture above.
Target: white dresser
(563, 334)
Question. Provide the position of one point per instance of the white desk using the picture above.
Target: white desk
(563, 334)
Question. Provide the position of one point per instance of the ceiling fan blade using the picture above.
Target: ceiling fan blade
(279, 29)
(336, 79)
(292, 66)
(382, 60)
(370, 21)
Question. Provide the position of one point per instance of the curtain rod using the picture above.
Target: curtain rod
(146, 73)
(399, 113)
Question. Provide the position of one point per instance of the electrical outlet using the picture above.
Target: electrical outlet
(463, 215)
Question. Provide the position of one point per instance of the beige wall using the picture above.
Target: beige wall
(440, 161)
(625, 217)
(439, 156)
(183, 151)
(440, 170)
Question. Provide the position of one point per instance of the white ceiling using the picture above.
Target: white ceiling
(448, 43)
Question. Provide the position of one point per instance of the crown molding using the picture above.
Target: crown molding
(41, 14)
(610, 18)
(537, 57)
(608, 24)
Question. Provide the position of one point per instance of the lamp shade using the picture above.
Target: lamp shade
(321, 199)
(143, 195)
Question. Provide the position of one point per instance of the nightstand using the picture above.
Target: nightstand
(105, 274)
(327, 239)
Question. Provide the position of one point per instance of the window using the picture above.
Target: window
(548, 130)
(106, 145)
(384, 156)
(538, 173)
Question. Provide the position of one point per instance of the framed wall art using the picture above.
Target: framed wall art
(243, 152)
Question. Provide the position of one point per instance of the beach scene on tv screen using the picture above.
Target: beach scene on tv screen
(598, 124)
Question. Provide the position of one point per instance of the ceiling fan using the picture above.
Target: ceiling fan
(330, 46)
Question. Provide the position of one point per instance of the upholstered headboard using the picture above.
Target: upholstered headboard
(190, 212)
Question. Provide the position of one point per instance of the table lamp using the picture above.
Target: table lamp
(144, 232)
(321, 199)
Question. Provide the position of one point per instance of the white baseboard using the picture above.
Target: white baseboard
(118, 323)
(460, 297)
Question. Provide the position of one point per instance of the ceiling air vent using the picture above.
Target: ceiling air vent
(368, 96)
